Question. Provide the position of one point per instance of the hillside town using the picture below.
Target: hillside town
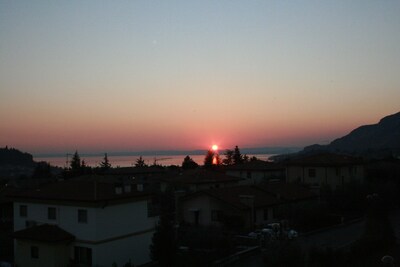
(229, 209)
(199, 133)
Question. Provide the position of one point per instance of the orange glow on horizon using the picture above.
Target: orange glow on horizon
(214, 147)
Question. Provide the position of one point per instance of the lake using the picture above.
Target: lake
(127, 161)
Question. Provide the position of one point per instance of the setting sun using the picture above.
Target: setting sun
(214, 147)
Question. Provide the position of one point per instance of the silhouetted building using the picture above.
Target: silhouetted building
(324, 169)
(257, 171)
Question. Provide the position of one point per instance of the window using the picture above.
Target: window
(82, 216)
(312, 173)
(51, 213)
(216, 215)
(34, 252)
(23, 211)
(83, 256)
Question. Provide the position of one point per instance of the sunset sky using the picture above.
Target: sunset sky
(102, 76)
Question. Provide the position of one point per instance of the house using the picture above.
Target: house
(324, 169)
(293, 197)
(289, 193)
(85, 223)
(257, 171)
(238, 206)
(198, 179)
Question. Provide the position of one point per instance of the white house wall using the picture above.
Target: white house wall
(66, 218)
(134, 248)
(127, 218)
(115, 233)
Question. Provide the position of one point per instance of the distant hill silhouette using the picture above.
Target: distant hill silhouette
(376, 140)
(17, 164)
(12, 156)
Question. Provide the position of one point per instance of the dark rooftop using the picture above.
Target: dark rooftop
(44, 233)
(324, 159)
(235, 196)
(257, 165)
(79, 191)
(135, 170)
(201, 176)
(289, 192)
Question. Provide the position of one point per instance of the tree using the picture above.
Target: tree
(245, 158)
(75, 162)
(253, 158)
(42, 170)
(164, 245)
(208, 160)
(216, 159)
(237, 156)
(105, 164)
(140, 162)
(228, 160)
(378, 229)
(189, 163)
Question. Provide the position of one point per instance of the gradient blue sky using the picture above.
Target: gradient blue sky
(144, 75)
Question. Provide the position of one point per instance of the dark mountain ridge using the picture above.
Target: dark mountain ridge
(376, 140)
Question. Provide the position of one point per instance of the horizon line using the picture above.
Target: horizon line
(246, 150)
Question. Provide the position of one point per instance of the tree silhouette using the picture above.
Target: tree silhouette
(216, 159)
(253, 158)
(164, 244)
(42, 170)
(237, 156)
(208, 160)
(105, 164)
(228, 160)
(140, 162)
(75, 162)
(189, 163)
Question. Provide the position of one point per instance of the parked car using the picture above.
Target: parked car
(292, 234)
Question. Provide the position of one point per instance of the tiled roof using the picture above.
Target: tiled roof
(324, 159)
(289, 192)
(201, 176)
(257, 165)
(135, 170)
(5, 191)
(78, 190)
(44, 233)
(238, 196)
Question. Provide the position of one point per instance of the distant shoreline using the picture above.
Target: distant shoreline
(262, 150)
(129, 161)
